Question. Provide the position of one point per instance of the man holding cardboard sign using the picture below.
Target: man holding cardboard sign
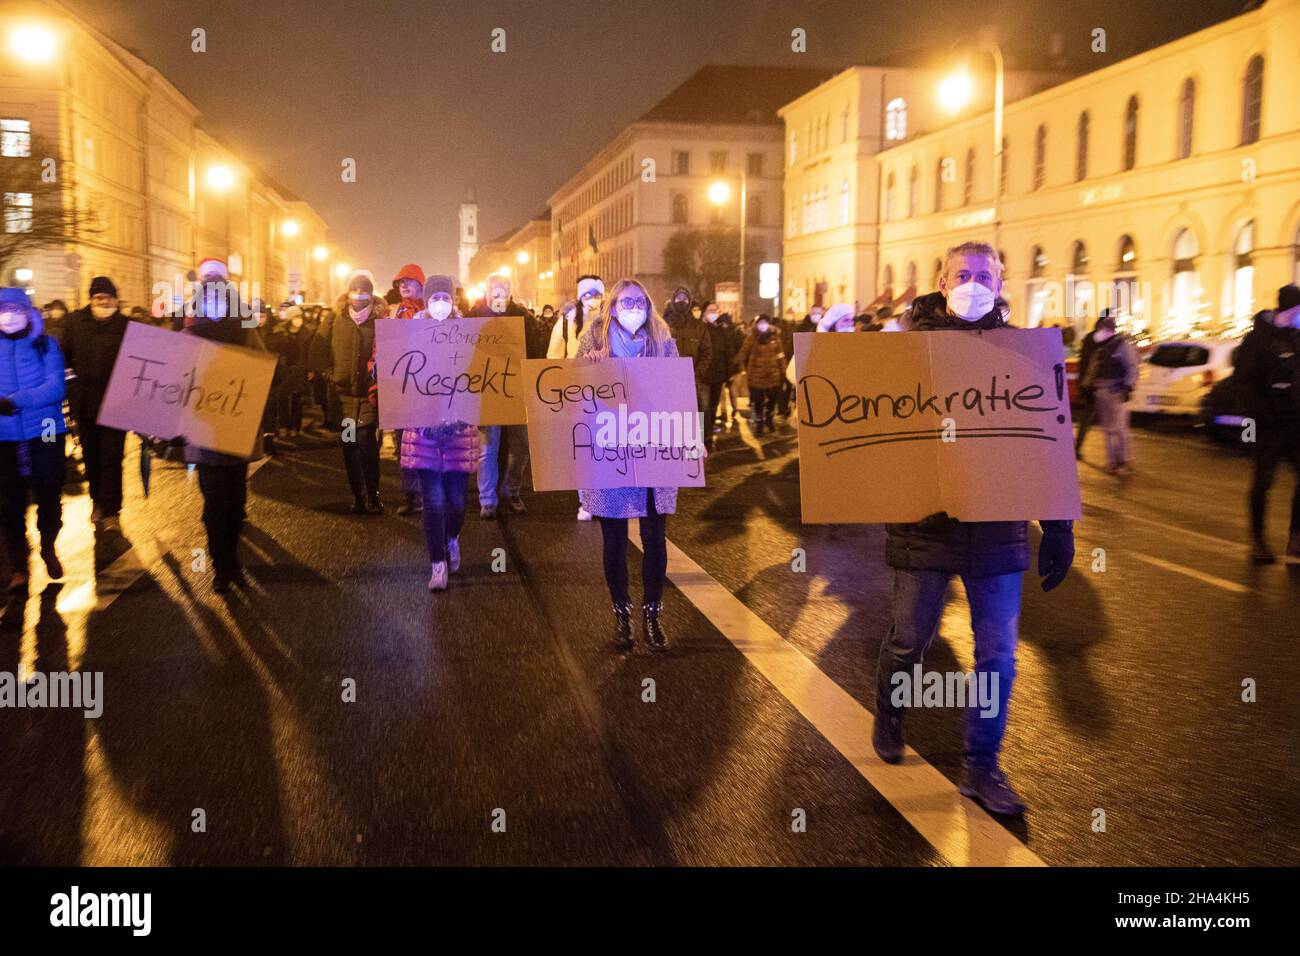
(977, 431)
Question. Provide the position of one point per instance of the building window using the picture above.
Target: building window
(755, 164)
(938, 185)
(1252, 100)
(896, 120)
(1131, 133)
(913, 191)
(718, 160)
(15, 137)
(844, 203)
(1127, 255)
(887, 282)
(1081, 151)
(889, 198)
(1186, 117)
(1037, 262)
(938, 273)
(968, 184)
(1082, 306)
(910, 290)
(1002, 169)
(1080, 259)
(844, 124)
(681, 162)
(681, 209)
(1040, 157)
(1184, 304)
(794, 147)
(1243, 276)
(794, 213)
(754, 211)
(18, 212)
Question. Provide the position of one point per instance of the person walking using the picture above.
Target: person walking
(91, 339)
(215, 315)
(32, 452)
(441, 458)
(341, 352)
(715, 372)
(990, 557)
(1111, 376)
(763, 362)
(693, 340)
(632, 331)
(1268, 376)
(495, 482)
(409, 283)
(1087, 405)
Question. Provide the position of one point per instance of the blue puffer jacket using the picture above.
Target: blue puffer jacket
(31, 376)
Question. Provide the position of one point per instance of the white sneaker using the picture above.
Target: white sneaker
(438, 579)
(453, 554)
(584, 514)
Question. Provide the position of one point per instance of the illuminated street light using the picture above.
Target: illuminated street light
(289, 227)
(23, 275)
(719, 192)
(342, 269)
(35, 44)
(221, 178)
(955, 91)
(320, 252)
(504, 272)
(522, 257)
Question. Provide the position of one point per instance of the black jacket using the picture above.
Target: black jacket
(692, 337)
(722, 355)
(341, 351)
(941, 543)
(90, 347)
(1267, 370)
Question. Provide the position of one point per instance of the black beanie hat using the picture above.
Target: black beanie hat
(102, 285)
(1288, 297)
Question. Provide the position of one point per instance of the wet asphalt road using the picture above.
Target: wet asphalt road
(500, 700)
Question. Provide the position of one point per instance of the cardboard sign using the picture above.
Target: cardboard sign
(617, 423)
(458, 370)
(170, 384)
(898, 426)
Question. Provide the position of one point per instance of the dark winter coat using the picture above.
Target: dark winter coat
(941, 543)
(763, 361)
(1267, 371)
(341, 352)
(692, 337)
(31, 376)
(722, 355)
(90, 347)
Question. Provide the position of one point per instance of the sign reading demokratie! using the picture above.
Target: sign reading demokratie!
(895, 427)
(613, 424)
(169, 385)
(457, 370)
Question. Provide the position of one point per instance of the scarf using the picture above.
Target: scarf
(622, 345)
(359, 317)
(407, 308)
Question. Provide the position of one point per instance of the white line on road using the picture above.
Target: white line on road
(956, 827)
(1232, 586)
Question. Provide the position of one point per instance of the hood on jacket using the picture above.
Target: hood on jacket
(410, 271)
(675, 314)
(930, 313)
(17, 296)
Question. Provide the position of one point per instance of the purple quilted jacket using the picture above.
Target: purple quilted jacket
(451, 447)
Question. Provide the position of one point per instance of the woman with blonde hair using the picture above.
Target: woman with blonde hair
(632, 331)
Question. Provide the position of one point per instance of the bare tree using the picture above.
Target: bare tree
(39, 209)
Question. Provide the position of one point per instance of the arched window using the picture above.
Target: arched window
(1243, 275)
(1036, 295)
(1002, 169)
(1040, 156)
(1127, 255)
(911, 277)
(887, 283)
(1081, 260)
(1184, 302)
(1082, 308)
(914, 191)
(938, 273)
(968, 183)
(896, 119)
(889, 198)
(1131, 133)
(1081, 150)
(844, 203)
(1037, 262)
(1252, 100)
(938, 185)
(1125, 302)
(680, 209)
(1186, 117)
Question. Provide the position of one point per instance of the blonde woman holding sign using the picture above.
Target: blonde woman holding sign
(632, 331)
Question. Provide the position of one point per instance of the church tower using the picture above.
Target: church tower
(468, 235)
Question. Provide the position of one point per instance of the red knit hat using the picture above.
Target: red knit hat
(410, 271)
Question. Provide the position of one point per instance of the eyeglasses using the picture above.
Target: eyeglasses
(592, 295)
(629, 302)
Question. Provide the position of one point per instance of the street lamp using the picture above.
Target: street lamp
(719, 195)
(23, 275)
(35, 44)
(220, 178)
(342, 269)
(955, 92)
(522, 258)
(289, 227)
(321, 253)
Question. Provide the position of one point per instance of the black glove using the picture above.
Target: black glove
(1055, 555)
(7, 407)
(934, 521)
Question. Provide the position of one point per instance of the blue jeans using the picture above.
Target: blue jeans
(489, 471)
(443, 495)
(995, 618)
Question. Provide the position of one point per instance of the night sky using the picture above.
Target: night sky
(411, 90)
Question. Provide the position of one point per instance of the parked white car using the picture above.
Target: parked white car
(1176, 376)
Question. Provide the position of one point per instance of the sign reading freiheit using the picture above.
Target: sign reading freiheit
(896, 427)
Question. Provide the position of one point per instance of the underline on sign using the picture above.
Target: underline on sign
(1000, 429)
(888, 441)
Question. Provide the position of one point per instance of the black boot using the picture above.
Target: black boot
(1260, 552)
(654, 634)
(623, 627)
(373, 505)
(358, 505)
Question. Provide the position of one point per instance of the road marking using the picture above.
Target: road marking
(956, 827)
(1232, 586)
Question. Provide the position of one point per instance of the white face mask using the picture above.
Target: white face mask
(102, 311)
(710, 316)
(762, 327)
(970, 301)
(214, 306)
(359, 300)
(439, 310)
(12, 322)
(631, 319)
